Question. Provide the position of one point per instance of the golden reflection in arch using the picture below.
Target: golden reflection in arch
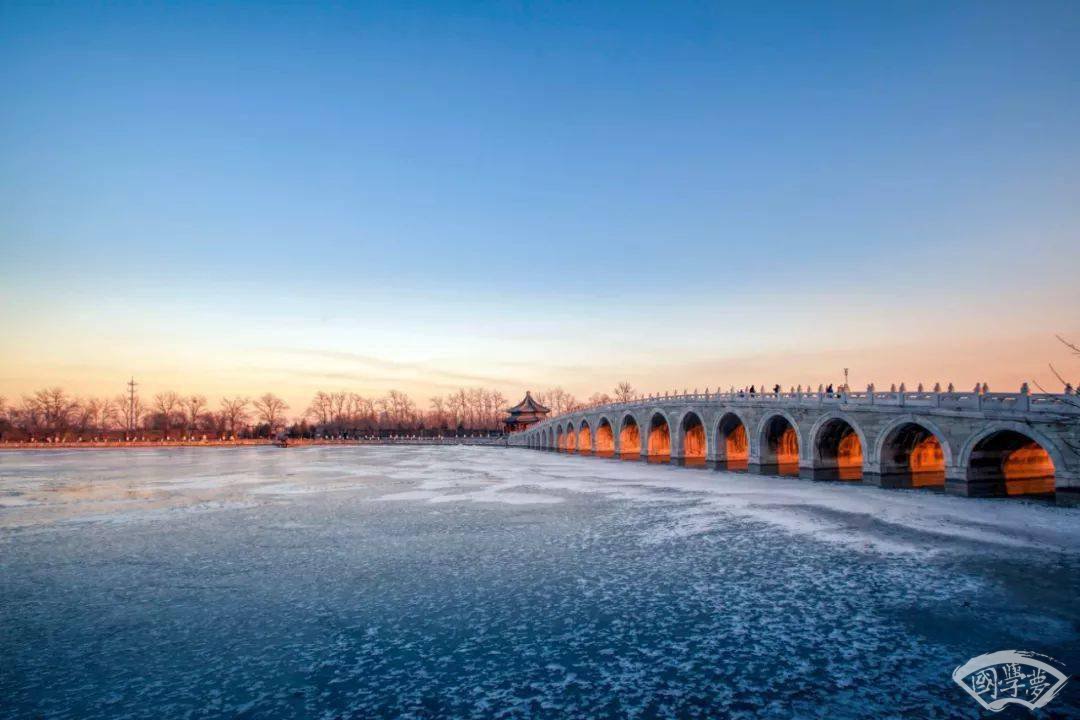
(571, 441)
(927, 456)
(737, 445)
(584, 439)
(659, 439)
(787, 447)
(630, 439)
(1028, 470)
(605, 439)
(694, 440)
(849, 451)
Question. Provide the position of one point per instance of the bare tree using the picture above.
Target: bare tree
(363, 412)
(51, 409)
(1068, 399)
(498, 405)
(104, 414)
(270, 409)
(624, 392)
(234, 414)
(558, 400)
(598, 398)
(130, 411)
(397, 410)
(193, 407)
(437, 415)
(320, 410)
(166, 405)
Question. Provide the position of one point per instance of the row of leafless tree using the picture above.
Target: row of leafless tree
(560, 401)
(54, 412)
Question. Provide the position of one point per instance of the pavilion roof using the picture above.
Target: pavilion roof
(528, 405)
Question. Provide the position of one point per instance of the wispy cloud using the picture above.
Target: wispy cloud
(428, 372)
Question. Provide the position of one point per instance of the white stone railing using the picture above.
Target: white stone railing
(1067, 404)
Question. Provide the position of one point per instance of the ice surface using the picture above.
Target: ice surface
(488, 582)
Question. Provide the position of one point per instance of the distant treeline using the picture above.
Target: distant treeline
(55, 414)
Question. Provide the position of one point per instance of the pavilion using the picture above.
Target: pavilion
(525, 413)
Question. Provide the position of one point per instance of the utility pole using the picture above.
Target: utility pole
(131, 407)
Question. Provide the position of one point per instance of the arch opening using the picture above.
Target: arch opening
(629, 439)
(571, 439)
(780, 446)
(584, 439)
(1015, 461)
(605, 439)
(733, 444)
(912, 453)
(693, 441)
(839, 451)
(659, 447)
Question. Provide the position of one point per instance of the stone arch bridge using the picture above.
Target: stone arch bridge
(975, 444)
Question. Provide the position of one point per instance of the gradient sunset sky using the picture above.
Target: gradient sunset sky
(240, 198)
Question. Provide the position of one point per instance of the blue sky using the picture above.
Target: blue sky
(534, 194)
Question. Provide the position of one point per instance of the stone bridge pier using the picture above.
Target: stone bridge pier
(973, 444)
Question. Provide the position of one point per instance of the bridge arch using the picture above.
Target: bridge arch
(658, 444)
(629, 435)
(837, 445)
(732, 440)
(571, 437)
(560, 439)
(604, 441)
(1012, 458)
(779, 443)
(693, 439)
(584, 438)
(913, 450)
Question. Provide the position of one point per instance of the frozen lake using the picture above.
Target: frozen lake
(489, 582)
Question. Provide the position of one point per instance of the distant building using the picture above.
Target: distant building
(525, 413)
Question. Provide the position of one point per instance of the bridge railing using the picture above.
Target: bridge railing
(971, 401)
